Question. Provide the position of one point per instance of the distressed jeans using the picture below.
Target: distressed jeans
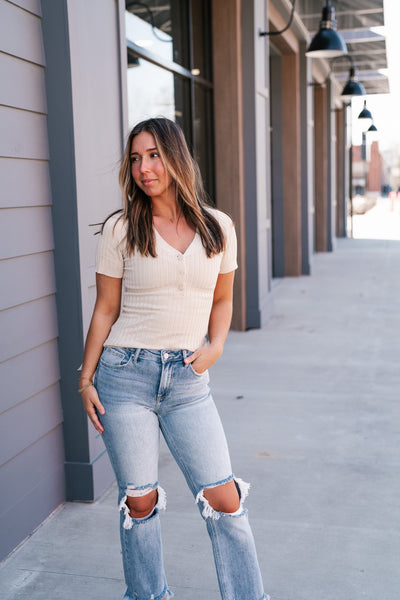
(145, 392)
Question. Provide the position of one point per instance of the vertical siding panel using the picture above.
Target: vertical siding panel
(96, 91)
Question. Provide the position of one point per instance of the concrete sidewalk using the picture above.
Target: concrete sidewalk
(312, 413)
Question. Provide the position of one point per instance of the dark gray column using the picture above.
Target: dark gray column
(341, 185)
(320, 168)
(65, 225)
(253, 313)
(277, 205)
(331, 170)
(307, 166)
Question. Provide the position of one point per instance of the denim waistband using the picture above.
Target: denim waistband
(160, 356)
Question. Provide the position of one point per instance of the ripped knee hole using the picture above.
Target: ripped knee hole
(141, 503)
(218, 503)
(223, 498)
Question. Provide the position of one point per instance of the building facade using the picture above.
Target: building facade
(264, 122)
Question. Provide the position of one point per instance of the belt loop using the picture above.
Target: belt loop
(136, 355)
(185, 353)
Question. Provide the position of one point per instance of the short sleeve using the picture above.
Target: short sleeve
(109, 257)
(229, 258)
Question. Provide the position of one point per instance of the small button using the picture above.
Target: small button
(166, 355)
(180, 257)
(180, 288)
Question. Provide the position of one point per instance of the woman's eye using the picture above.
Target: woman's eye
(154, 155)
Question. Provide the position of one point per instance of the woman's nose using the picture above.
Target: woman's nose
(144, 165)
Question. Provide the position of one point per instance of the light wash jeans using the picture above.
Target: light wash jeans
(142, 392)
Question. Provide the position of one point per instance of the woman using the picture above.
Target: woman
(145, 364)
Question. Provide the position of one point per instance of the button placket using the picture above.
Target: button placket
(181, 273)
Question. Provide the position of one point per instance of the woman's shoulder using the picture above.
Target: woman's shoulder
(115, 226)
(223, 219)
(113, 233)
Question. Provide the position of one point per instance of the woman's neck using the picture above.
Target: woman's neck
(166, 208)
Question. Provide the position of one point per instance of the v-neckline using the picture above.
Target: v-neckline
(172, 247)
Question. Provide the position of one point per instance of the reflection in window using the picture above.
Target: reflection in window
(203, 146)
(164, 28)
(144, 35)
(150, 91)
(156, 92)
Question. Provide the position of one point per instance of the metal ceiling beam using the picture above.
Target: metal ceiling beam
(342, 13)
(359, 36)
(375, 52)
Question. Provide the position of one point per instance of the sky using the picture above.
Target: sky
(385, 108)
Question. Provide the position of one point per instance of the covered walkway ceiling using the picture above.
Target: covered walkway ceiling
(355, 22)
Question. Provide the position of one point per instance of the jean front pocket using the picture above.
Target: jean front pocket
(115, 357)
(195, 372)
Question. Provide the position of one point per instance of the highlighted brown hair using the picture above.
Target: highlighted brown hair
(186, 178)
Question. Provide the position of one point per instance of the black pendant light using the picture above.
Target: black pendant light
(353, 87)
(327, 43)
(365, 113)
(372, 127)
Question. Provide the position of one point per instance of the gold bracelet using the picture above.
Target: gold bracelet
(84, 387)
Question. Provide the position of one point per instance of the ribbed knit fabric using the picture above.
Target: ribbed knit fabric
(167, 300)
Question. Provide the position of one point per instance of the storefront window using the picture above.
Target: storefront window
(169, 73)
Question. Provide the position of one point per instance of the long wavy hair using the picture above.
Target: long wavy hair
(186, 179)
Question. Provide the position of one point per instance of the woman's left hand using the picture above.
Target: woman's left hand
(204, 357)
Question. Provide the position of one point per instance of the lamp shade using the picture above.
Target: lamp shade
(365, 113)
(372, 128)
(353, 87)
(327, 43)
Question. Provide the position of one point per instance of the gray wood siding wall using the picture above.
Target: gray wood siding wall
(32, 450)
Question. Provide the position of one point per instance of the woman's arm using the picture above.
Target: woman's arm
(106, 312)
(218, 327)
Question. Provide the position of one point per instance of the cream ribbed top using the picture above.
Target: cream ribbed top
(167, 300)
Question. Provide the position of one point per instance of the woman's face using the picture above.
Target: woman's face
(146, 166)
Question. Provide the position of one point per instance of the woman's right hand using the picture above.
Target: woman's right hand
(93, 406)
